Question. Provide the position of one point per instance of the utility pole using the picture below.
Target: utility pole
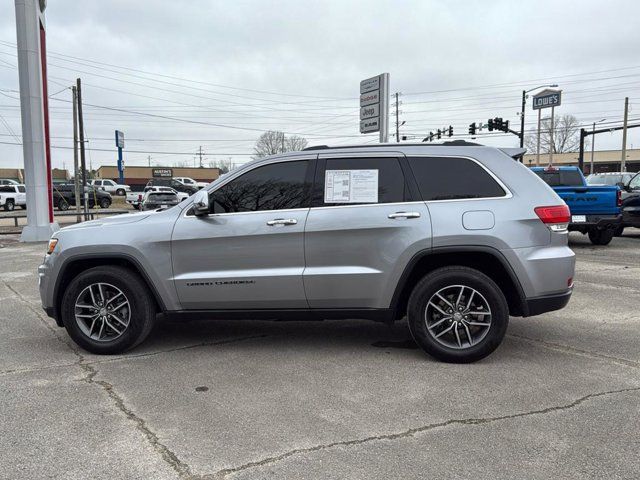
(524, 106)
(76, 170)
(623, 163)
(83, 162)
(397, 94)
(149, 159)
(200, 155)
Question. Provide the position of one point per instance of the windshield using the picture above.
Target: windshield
(561, 178)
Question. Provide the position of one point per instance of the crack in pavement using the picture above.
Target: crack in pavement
(221, 474)
(181, 468)
(576, 351)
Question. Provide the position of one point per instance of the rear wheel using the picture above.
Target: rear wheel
(108, 310)
(601, 237)
(120, 192)
(105, 203)
(9, 206)
(457, 314)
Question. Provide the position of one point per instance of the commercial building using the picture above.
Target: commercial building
(137, 177)
(58, 175)
(603, 160)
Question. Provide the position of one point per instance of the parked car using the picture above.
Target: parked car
(154, 200)
(64, 196)
(630, 204)
(610, 178)
(454, 237)
(173, 183)
(12, 196)
(595, 209)
(135, 198)
(110, 186)
(8, 181)
(191, 182)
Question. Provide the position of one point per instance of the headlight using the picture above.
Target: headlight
(52, 245)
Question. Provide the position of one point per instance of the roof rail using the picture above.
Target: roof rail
(316, 147)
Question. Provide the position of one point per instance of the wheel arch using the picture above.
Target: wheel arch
(79, 263)
(487, 260)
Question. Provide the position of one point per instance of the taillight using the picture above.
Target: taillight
(619, 197)
(556, 218)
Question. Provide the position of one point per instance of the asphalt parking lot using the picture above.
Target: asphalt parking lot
(336, 399)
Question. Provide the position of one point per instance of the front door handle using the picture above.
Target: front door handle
(404, 215)
(282, 221)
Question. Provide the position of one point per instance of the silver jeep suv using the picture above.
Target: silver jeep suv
(455, 237)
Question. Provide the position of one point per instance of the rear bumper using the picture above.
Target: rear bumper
(548, 303)
(599, 222)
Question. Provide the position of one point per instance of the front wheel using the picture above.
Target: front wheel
(107, 310)
(105, 203)
(9, 206)
(601, 237)
(120, 192)
(618, 231)
(457, 314)
(63, 205)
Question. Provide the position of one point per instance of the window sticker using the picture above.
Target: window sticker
(351, 186)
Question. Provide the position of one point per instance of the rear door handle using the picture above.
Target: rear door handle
(404, 215)
(282, 221)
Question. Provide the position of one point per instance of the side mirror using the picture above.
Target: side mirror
(201, 203)
(621, 185)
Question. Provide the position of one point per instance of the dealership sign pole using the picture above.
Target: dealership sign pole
(545, 99)
(120, 145)
(374, 106)
(32, 72)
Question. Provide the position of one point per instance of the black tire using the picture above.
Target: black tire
(9, 205)
(105, 203)
(601, 237)
(120, 192)
(489, 338)
(618, 231)
(63, 205)
(142, 309)
(24, 207)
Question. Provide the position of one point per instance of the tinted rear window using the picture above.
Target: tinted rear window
(561, 178)
(162, 197)
(449, 178)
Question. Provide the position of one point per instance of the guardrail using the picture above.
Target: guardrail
(93, 214)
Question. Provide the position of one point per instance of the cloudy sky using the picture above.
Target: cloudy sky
(177, 75)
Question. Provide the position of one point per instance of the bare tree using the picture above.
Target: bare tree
(273, 142)
(295, 143)
(223, 165)
(566, 135)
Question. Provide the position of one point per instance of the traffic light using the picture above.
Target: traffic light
(490, 124)
(497, 123)
(472, 129)
(439, 134)
(431, 136)
(506, 126)
(450, 131)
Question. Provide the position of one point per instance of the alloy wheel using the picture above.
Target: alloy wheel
(102, 312)
(458, 316)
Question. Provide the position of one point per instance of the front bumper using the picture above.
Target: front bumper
(548, 303)
(598, 222)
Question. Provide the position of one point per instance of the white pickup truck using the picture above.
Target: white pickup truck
(12, 196)
(110, 186)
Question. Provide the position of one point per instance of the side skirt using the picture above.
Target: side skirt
(379, 315)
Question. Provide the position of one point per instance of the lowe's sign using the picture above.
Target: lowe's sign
(546, 99)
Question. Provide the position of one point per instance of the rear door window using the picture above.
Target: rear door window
(353, 181)
(452, 178)
(561, 178)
